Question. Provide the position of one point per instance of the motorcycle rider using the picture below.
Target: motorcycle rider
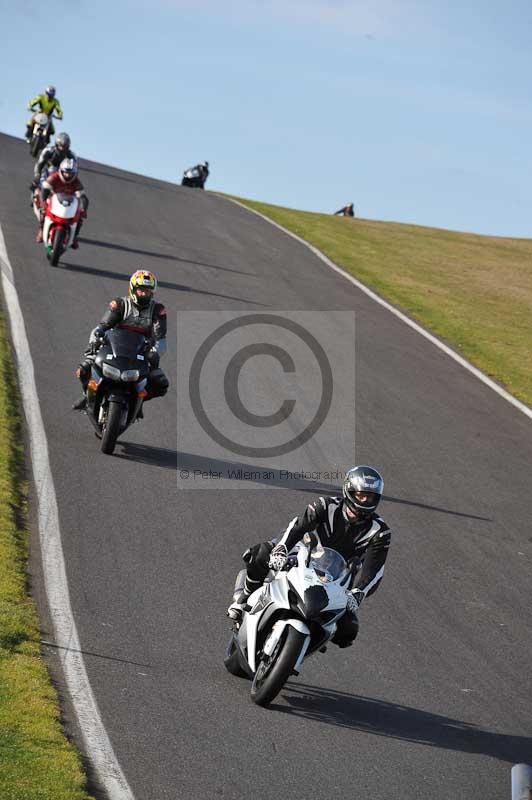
(46, 103)
(347, 524)
(203, 168)
(203, 173)
(51, 157)
(64, 181)
(346, 211)
(137, 312)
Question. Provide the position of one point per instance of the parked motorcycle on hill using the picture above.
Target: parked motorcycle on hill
(291, 616)
(117, 386)
(40, 133)
(62, 213)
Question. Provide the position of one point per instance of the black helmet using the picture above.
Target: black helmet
(362, 491)
(62, 142)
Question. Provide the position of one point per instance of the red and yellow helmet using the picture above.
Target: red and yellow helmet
(142, 286)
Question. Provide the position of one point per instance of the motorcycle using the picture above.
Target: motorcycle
(117, 386)
(293, 614)
(193, 178)
(62, 212)
(40, 133)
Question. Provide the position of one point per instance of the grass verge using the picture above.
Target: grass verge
(36, 760)
(473, 291)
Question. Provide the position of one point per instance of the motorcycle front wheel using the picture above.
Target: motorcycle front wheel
(112, 428)
(36, 146)
(273, 671)
(57, 247)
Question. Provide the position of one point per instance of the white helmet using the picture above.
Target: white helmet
(68, 169)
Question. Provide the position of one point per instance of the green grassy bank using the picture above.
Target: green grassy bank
(36, 760)
(473, 291)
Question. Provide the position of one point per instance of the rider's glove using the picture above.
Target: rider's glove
(96, 336)
(354, 600)
(278, 557)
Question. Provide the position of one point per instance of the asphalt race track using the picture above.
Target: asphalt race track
(434, 700)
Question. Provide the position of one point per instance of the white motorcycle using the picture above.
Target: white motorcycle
(291, 616)
(40, 133)
(193, 178)
(62, 212)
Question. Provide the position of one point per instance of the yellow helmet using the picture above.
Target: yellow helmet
(144, 281)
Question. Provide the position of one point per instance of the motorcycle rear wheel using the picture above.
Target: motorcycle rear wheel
(57, 248)
(112, 428)
(272, 675)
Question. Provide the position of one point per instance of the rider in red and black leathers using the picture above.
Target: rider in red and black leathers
(147, 318)
(349, 525)
(65, 181)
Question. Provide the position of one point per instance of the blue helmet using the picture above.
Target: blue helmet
(50, 91)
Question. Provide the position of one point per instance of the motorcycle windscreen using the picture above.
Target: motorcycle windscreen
(126, 344)
(64, 205)
(328, 564)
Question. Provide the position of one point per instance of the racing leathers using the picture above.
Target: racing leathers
(363, 543)
(50, 159)
(54, 183)
(46, 105)
(204, 174)
(150, 321)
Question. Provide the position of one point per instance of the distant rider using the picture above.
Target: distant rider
(349, 525)
(136, 312)
(202, 172)
(46, 103)
(65, 181)
(51, 157)
(346, 211)
(203, 168)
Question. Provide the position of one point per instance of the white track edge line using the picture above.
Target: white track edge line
(526, 410)
(98, 745)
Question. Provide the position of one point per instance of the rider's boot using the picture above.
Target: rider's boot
(243, 588)
(236, 609)
(81, 404)
(83, 373)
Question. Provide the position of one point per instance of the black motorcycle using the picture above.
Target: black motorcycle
(117, 387)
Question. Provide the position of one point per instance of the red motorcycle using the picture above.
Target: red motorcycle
(62, 212)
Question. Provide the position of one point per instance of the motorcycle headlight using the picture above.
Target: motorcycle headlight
(111, 372)
(130, 375)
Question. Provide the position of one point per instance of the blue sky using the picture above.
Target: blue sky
(415, 111)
